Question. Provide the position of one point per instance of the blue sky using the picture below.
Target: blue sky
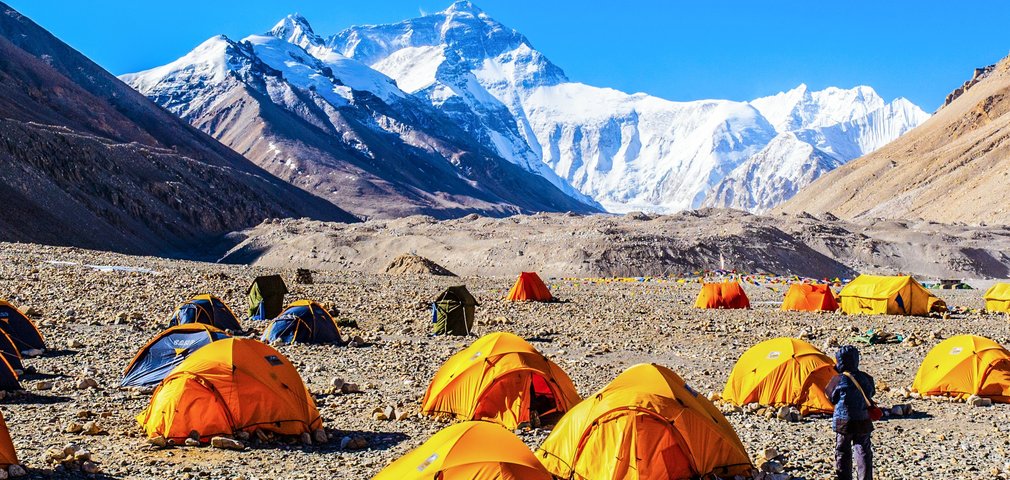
(677, 50)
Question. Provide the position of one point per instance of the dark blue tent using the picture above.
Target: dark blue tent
(304, 322)
(154, 362)
(9, 351)
(208, 310)
(21, 330)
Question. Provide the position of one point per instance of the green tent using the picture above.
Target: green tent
(266, 297)
(452, 311)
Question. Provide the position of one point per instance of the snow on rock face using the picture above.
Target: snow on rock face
(628, 152)
(625, 151)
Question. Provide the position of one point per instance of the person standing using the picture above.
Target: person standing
(851, 391)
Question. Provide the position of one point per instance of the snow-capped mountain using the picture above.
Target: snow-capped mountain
(625, 151)
(819, 131)
(338, 128)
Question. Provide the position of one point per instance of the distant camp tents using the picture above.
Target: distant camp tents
(20, 329)
(782, 371)
(647, 424)
(997, 298)
(8, 455)
(808, 297)
(900, 295)
(304, 321)
(722, 295)
(452, 312)
(966, 365)
(501, 378)
(266, 297)
(208, 310)
(529, 287)
(166, 351)
(231, 385)
(466, 451)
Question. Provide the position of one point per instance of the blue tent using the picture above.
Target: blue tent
(208, 310)
(161, 355)
(304, 322)
(21, 330)
(9, 351)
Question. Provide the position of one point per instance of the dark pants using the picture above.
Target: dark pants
(847, 444)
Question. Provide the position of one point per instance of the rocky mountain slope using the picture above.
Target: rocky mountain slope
(87, 161)
(627, 151)
(373, 112)
(339, 129)
(636, 244)
(953, 168)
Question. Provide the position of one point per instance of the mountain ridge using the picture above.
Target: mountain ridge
(90, 162)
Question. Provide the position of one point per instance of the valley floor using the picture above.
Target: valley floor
(600, 329)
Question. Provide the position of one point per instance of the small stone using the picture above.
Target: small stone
(350, 388)
(227, 443)
(977, 401)
(33, 352)
(93, 428)
(389, 412)
(320, 436)
(337, 382)
(82, 455)
(90, 467)
(399, 414)
(770, 453)
(356, 341)
(44, 385)
(306, 438)
(714, 397)
(75, 343)
(86, 383)
(16, 470)
(74, 427)
(191, 442)
(242, 436)
(345, 442)
(159, 441)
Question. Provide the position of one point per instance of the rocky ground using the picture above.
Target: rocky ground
(599, 329)
(636, 244)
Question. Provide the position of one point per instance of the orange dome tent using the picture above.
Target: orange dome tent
(468, 451)
(501, 378)
(782, 371)
(966, 365)
(529, 286)
(8, 456)
(647, 424)
(810, 298)
(227, 386)
(722, 295)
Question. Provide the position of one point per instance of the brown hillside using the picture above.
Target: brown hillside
(953, 168)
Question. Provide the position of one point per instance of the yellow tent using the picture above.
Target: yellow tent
(468, 451)
(966, 365)
(874, 294)
(782, 371)
(997, 298)
(647, 424)
(502, 378)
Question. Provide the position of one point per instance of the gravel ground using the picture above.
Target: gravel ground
(599, 329)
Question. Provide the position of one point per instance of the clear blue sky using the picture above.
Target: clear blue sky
(674, 49)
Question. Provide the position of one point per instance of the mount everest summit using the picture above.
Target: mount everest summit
(454, 112)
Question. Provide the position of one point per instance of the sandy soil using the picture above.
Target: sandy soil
(596, 332)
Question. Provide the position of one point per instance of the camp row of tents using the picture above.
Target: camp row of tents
(866, 294)
(647, 423)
